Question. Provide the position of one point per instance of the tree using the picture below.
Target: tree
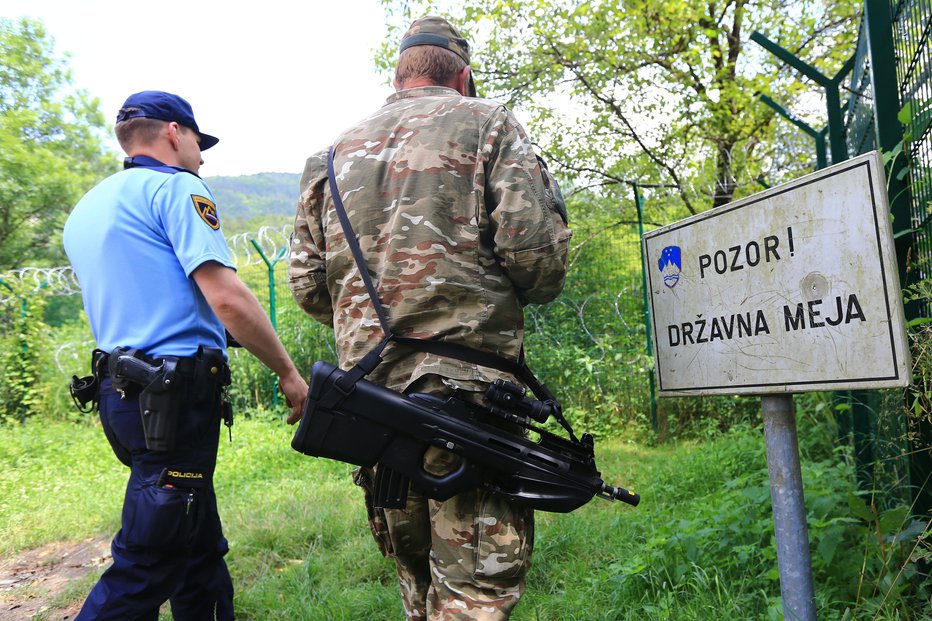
(51, 146)
(661, 92)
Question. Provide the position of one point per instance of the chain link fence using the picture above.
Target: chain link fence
(890, 108)
(588, 345)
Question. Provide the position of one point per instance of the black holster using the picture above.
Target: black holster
(160, 407)
(167, 382)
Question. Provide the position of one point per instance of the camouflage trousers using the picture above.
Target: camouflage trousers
(462, 558)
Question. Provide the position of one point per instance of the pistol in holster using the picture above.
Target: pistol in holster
(166, 383)
(160, 389)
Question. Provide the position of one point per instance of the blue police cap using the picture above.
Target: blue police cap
(164, 107)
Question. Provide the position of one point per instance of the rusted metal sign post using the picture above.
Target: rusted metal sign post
(793, 289)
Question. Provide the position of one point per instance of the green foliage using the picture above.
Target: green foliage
(650, 91)
(62, 309)
(68, 353)
(704, 417)
(918, 413)
(50, 146)
(48, 469)
(921, 387)
(894, 554)
(589, 345)
(37, 360)
(250, 201)
(24, 338)
(700, 544)
(254, 386)
(720, 539)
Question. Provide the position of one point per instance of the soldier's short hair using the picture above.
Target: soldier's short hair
(137, 130)
(440, 65)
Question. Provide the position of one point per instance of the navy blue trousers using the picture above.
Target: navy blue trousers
(170, 546)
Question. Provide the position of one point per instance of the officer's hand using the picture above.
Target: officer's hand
(295, 389)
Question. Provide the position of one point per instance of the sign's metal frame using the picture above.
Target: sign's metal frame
(892, 371)
(777, 407)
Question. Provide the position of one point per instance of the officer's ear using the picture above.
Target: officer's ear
(174, 134)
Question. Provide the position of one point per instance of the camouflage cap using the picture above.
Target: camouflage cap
(433, 30)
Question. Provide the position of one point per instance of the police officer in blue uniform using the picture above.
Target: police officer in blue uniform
(160, 291)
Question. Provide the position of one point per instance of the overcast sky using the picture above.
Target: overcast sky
(275, 80)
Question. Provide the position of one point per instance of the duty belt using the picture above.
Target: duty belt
(186, 365)
(85, 390)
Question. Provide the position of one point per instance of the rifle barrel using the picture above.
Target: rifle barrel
(610, 492)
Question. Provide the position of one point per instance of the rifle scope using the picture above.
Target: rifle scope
(512, 397)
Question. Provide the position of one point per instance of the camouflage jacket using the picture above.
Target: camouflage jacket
(461, 225)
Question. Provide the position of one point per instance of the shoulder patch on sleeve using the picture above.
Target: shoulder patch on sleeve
(207, 210)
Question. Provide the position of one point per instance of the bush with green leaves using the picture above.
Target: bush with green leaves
(24, 339)
(867, 563)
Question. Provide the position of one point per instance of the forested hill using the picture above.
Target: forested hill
(248, 202)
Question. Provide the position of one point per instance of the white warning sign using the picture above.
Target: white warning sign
(790, 290)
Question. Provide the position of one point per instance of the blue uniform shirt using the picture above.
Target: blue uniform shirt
(133, 241)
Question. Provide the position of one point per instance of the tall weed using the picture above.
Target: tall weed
(24, 340)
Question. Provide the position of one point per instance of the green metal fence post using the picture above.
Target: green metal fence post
(889, 131)
(818, 136)
(836, 126)
(820, 147)
(650, 344)
(272, 312)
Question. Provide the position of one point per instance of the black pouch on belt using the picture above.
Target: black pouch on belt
(86, 390)
(211, 375)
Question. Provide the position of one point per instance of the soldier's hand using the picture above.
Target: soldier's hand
(295, 389)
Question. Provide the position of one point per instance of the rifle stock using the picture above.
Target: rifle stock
(371, 424)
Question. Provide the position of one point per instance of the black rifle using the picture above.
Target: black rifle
(371, 424)
(353, 420)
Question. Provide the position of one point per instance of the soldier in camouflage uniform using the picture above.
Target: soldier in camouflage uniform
(462, 226)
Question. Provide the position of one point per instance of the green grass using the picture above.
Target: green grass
(700, 546)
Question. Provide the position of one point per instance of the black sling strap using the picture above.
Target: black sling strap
(371, 360)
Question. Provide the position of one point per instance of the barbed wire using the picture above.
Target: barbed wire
(61, 280)
(271, 239)
(48, 280)
(68, 356)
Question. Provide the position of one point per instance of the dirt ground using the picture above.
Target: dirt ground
(31, 583)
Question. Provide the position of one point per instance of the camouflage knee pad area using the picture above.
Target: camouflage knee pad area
(480, 553)
(463, 558)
